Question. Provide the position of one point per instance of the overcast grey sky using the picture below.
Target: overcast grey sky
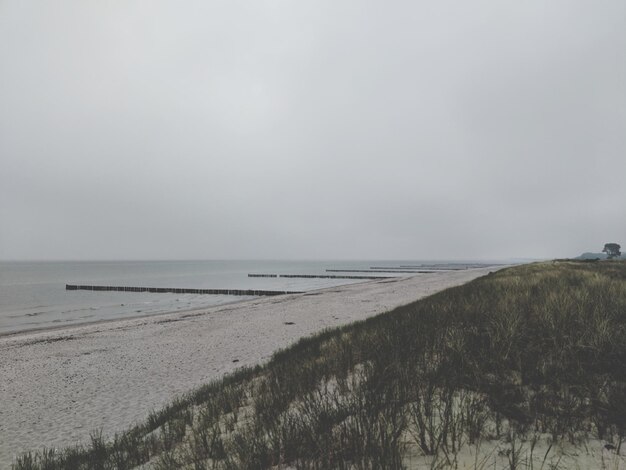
(311, 129)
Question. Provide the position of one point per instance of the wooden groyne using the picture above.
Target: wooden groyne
(177, 290)
(451, 266)
(440, 268)
(412, 268)
(397, 271)
(320, 276)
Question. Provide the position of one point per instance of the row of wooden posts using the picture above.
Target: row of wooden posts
(178, 290)
(396, 271)
(241, 292)
(319, 276)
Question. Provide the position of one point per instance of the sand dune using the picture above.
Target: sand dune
(58, 386)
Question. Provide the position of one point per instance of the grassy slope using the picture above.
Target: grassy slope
(532, 350)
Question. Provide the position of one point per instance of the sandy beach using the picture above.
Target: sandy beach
(58, 386)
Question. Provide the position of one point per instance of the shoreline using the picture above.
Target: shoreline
(139, 316)
(134, 315)
(45, 329)
(61, 384)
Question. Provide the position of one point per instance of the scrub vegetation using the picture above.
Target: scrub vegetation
(529, 358)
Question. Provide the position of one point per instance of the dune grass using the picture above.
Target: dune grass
(527, 352)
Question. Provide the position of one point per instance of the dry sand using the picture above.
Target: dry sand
(58, 386)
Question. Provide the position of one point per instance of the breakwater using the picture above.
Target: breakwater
(376, 271)
(319, 276)
(413, 268)
(178, 290)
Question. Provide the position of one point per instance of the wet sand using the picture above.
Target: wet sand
(58, 386)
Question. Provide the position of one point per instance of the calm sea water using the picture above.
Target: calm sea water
(33, 295)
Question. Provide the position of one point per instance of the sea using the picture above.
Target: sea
(33, 294)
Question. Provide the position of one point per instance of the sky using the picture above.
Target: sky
(324, 129)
